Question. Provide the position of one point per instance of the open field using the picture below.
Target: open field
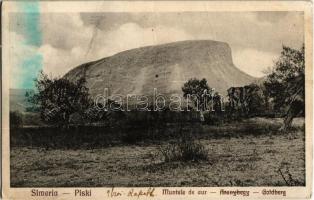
(234, 160)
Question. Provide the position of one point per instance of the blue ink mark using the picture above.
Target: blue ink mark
(30, 69)
(32, 63)
(32, 31)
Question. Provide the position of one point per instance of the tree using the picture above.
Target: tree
(286, 84)
(198, 91)
(254, 100)
(58, 98)
(217, 103)
(246, 101)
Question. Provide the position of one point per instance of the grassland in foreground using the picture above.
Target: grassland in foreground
(248, 160)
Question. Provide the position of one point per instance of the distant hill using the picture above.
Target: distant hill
(18, 100)
(165, 67)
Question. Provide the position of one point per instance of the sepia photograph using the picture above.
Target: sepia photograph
(156, 98)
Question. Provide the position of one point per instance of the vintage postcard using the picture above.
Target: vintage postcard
(157, 100)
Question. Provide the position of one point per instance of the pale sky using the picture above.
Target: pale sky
(68, 40)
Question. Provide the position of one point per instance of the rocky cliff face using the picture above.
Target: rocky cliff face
(165, 67)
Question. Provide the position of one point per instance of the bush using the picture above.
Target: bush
(185, 149)
(16, 119)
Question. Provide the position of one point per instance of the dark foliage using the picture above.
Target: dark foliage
(255, 100)
(246, 101)
(286, 84)
(58, 98)
(196, 89)
(186, 148)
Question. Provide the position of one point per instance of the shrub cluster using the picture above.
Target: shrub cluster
(185, 149)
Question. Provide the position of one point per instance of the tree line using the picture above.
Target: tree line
(58, 100)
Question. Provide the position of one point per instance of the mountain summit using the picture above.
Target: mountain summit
(165, 67)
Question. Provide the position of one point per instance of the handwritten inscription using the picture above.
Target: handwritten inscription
(147, 193)
(132, 193)
(113, 193)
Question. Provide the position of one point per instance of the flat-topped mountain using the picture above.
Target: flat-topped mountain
(165, 67)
